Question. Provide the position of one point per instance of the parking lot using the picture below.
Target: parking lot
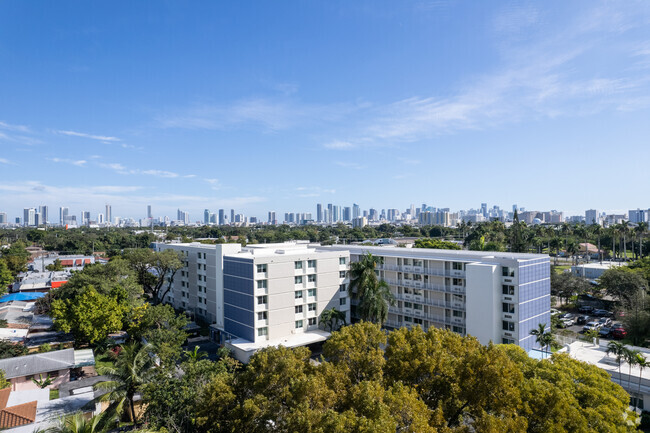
(578, 328)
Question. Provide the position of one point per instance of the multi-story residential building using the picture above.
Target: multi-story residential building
(493, 296)
(592, 217)
(260, 295)
(637, 216)
(109, 214)
(29, 216)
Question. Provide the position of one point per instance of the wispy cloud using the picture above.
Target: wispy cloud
(121, 169)
(90, 136)
(5, 161)
(350, 165)
(270, 114)
(541, 76)
(312, 191)
(10, 127)
(78, 163)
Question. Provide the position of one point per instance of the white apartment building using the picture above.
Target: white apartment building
(498, 297)
(260, 295)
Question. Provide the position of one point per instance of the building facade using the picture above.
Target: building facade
(498, 297)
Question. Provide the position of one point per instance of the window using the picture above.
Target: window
(261, 284)
(458, 329)
(408, 319)
(298, 294)
(311, 278)
(417, 306)
(261, 268)
(343, 288)
(311, 321)
(457, 313)
(262, 332)
(311, 307)
(508, 308)
(199, 254)
(507, 341)
(311, 292)
(298, 309)
(298, 324)
(261, 300)
(298, 265)
(198, 266)
(311, 264)
(408, 305)
(507, 272)
(457, 298)
(417, 321)
(343, 301)
(298, 279)
(508, 326)
(417, 262)
(508, 290)
(341, 260)
(341, 274)
(457, 266)
(458, 282)
(262, 315)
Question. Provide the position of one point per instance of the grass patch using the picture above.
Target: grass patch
(54, 394)
(104, 360)
(561, 268)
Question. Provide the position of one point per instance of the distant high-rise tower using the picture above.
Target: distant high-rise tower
(29, 216)
(222, 217)
(85, 218)
(100, 218)
(356, 211)
(63, 215)
(45, 218)
(232, 215)
(109, 214)
(272, 219)
(206, 216)
(330, 217)
(319, 213)
(484, 211)
(149, 214)
(592, 217)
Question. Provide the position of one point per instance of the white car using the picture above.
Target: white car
(591, 325)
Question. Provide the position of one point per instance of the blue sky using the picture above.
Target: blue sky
(264, 106)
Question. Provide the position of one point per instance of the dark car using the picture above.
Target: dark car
(582, 320)
(617, 326)
(604, 331)
(586, 309)
(602, 313)
(619, 333)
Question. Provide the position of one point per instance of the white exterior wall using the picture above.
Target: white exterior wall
(484, 302)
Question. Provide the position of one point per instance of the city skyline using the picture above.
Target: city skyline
(328, 102)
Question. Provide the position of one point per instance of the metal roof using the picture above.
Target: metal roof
(37, 363)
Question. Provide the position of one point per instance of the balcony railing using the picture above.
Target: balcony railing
(422, 270)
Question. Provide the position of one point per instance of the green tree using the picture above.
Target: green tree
(6, 277)
(90, 316)
(332, 319)
(436, 244)
(565, 284)
(11, 350)
(163, 329)
(154, 269)
(623, 284)
(620, 351)
(16, 257)
(133, 369)
(363, 275)
(55, 266)
(80, 423)
(374, 304)
(4, 383)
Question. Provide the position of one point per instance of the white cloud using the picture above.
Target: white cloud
(351, 165)
(5, 161)
(90, 136)
(9, 127)
(78, 163)
(157, 173)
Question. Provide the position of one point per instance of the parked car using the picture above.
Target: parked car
(586, 309)
(619, 333)
(581, 320)
(602, 313)
(567, 322)
(604, 331)
(591, 325)
(605, 321)
(567, 316)
(617, 326)
(554, 312)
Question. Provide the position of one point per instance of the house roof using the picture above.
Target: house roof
(37, 363)
(17, 415)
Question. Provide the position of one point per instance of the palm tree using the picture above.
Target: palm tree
(542, 337)
(330, 318)
(624, 230)
(618, 350)
(195, 355)
(78, 423)
(362, 275)
(132, 369)
(572, 251)
(373, 306)
(630, 357)
(642, 362)
(613, 231)
(597, 229)
(555, 243)
(640, 230)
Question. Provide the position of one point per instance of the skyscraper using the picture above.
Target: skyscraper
(29, 216)
(330, 216)
(63, 215)
(109, 214)
(206, 216)
(222, 217)
(149, 215)
(319, 212)
(232, 216)
(85, 218)
(347, 214)
(272, 219)
(45, 218)
(356, 211)
(484, 211)
(592, 217)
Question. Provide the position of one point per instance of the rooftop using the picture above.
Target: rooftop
(460, 255)
(37, 363)
(295, 340)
